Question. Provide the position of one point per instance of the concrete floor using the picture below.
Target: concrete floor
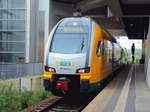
(127, 92)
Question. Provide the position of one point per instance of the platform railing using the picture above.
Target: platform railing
(8, 71)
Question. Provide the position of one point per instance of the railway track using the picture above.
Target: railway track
(42, 105)
(62, 104)
(70, 104)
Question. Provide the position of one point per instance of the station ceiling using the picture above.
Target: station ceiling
(134, 14)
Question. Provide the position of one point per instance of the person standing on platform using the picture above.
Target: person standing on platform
(133, 51)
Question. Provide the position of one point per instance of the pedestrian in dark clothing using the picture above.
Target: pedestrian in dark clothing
(133, 51)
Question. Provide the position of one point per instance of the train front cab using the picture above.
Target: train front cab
(95, 76)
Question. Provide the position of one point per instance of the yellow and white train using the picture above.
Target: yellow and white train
(80, 57)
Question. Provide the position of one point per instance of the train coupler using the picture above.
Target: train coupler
(62, 84)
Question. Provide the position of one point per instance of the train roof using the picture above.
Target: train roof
(82, 21)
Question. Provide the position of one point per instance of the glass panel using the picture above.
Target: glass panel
(3, 36)
(69, 43)
(100, 48)
(16, 3)
(12, 24)
(16, 36)
(12, 46)
(3, 14)
(3, 24)
(3, 3)
(16, 14)
(16, 24)
(10, 57)
(12, 36)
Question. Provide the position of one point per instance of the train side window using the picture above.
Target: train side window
(100, 48)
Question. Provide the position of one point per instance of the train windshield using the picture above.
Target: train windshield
(70, 40)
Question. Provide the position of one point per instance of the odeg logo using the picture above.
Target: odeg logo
(65, 63)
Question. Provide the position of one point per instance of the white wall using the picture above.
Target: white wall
(32, 30)
(36, 8)
(53, 13)
(38, 28)
(44, 6)
(27, 32)
(147, 58)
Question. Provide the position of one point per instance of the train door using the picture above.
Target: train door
(105, 60)
(100, 52)
(113, 57)
(109, 56)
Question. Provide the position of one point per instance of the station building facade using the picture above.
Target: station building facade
(25, 26)
(23, 30)
(12, 29)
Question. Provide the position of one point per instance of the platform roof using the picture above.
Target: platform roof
(134, 14)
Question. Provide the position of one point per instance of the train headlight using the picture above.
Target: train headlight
(49, 69)
(83, 70)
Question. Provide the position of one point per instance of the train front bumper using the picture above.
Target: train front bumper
(85, 86)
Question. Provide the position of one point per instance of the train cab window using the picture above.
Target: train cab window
(100, 48)
(75, 37)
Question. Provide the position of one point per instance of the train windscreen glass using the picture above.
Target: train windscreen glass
(70, 40)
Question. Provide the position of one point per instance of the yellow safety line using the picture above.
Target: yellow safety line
(121, 104)
(100, 101)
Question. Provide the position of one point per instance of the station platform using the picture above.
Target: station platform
(127, 92)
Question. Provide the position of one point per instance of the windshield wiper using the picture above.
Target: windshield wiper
(82, 45)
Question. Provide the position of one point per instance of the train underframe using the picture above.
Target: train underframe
(72, 84)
